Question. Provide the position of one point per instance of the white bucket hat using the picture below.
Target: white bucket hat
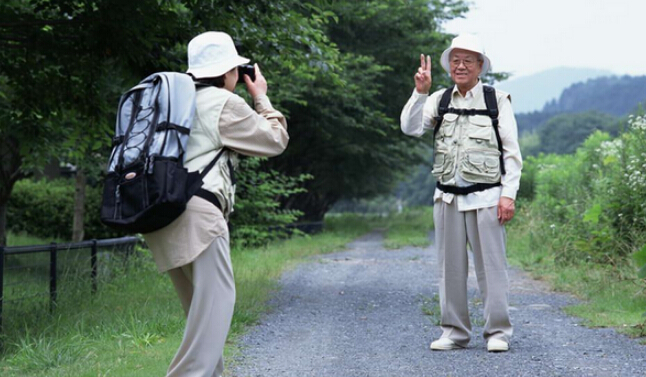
(212, 54)
(466, 42)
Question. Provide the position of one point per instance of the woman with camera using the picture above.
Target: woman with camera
(194, 249)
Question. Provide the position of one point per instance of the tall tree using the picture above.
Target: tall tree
(347, 136)
(63, 64)
(55, 59)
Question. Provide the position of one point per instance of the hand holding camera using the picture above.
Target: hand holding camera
(251, 75)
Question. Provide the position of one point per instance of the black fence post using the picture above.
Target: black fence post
(52, 276)
(1, 283)
(93, 263)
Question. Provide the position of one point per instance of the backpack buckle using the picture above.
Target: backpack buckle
(150, 161)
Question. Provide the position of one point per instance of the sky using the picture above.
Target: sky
(524, 37)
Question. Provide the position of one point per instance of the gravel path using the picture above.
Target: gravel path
(372, 312)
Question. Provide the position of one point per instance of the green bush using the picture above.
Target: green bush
(592, 203)
(258, 218)
(46, 208)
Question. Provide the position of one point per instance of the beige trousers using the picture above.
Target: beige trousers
(482, 231)
(206, 290)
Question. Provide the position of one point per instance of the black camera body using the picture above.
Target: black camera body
(246, 69)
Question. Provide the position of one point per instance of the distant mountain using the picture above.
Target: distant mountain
(530, 93)
(612, 95)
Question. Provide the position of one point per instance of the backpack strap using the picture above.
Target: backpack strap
(208, 167)
(492, 109)
(208, 195)
(442, 109)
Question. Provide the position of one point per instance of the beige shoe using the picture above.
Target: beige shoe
(444, 344)
(497, 345)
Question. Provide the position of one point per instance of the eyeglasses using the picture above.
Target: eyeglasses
(468, 62)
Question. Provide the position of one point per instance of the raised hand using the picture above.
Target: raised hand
(423, 78)
(258, 87)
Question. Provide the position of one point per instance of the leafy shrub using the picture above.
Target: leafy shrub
(46, 208)
(594, 201)
(258, 217)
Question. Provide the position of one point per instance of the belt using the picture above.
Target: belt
(467, 189)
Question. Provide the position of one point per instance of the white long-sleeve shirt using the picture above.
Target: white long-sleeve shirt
(417, 117)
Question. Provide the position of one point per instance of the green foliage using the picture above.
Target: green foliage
(530, 143)
(640, 259)
(337, 69)
(611, 295)
(258, 217)
(592, 201)
(46, 208)
(564, 133)
(347, 135)
(419, 187)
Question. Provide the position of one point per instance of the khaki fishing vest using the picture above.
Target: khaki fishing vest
(204, 143)
(466, 145)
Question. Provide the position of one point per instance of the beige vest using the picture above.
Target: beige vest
(466, 145)
(204, 143)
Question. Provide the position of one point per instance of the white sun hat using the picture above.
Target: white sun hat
(466, 42)
(212, 54)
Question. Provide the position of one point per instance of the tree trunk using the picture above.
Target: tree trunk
(10, 162)
(79, 207)
(3, 224)
(313, 206)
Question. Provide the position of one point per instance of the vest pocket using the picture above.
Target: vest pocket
(480, 166)
(448, 125)
(442, 164)
(480, 129)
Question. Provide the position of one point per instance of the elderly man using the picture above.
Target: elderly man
(477, 164)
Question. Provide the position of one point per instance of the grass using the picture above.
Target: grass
(133, 325)
(612, 296)
(431, 308)
(21, 239)
(409, 228)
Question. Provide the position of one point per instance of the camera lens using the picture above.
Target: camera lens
(246, 69)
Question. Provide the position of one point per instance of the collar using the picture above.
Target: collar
(471, 93)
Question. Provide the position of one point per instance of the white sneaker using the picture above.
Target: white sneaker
(497, 345)
(444, 344)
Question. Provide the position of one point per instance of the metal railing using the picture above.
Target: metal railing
(53, 250)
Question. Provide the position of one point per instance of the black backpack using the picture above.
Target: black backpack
(147, 185)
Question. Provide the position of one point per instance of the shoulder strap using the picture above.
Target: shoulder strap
(443, 108)
(492, 109)
(208, 167)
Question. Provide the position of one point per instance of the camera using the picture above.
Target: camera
(246, 69)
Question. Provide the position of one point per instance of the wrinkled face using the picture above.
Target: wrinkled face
(465, 68)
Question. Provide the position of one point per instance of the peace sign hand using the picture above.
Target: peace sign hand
(423, 78)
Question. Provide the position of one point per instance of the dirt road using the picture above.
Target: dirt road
(373, 312)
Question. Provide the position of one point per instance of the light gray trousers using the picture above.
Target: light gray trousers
(482, 231)
(206, 290)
